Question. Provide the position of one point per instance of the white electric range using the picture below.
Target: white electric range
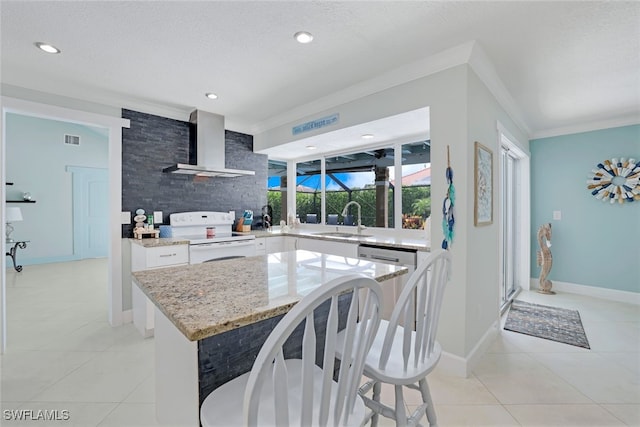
(211, 236)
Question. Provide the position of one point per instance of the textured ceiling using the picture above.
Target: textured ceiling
(564, 63)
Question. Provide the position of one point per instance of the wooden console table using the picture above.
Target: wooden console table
(13, 248)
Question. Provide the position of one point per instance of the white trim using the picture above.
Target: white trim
(452, 364)
(127, 316)
(397, 194)
(114, 126)
(592, 291)
(323, 188)
(626, 120)
(3, 263)
(54, 112)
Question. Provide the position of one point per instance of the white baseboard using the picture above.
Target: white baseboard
(452, 364)
(592, 291)
(455, 365)
(127, 316)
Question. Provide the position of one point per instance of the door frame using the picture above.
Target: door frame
(114, 125)
(505, 138)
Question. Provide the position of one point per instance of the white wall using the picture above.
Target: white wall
(445, 95)
(483, 249)
(462, 110)
(37, 159)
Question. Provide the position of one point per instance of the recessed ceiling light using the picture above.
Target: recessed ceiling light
(303, 37)
(47, 47)
(311, 147)
(211, 95)
(367, 136)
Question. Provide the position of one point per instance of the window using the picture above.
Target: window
(416, 184)
(276, 198)
(367, 177)
(308, 191)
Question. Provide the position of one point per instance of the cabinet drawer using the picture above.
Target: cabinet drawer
(163, 256)
(261, 247)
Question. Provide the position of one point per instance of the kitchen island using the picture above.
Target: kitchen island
(211, 319)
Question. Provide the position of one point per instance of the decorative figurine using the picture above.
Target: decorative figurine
(545, 260)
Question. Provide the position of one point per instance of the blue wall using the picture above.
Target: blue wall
(595, 243)
(36, 162)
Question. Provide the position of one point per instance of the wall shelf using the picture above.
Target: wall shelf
(18, 201)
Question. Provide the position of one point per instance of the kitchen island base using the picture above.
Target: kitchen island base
(213, 361)
(212, 319)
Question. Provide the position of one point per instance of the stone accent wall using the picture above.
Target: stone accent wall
(228, 355)
(153, 143)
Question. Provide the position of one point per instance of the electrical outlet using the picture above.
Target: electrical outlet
(157, 217)
(125, 217)
(557, 215)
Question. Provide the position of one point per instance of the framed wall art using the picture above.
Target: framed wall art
(483, 185)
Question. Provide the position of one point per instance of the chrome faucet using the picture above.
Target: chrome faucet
(344, 213)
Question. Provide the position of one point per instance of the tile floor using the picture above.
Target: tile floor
(63, 355)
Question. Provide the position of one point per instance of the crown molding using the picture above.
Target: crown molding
(625, 120)
(104, 102)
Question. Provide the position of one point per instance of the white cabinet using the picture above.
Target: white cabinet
(261, 245)
(270, 245)
(158, 256)
(143, 258)
(345, 249)
(276, 244)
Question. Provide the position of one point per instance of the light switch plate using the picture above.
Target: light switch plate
(157, 217)
(557, 215)
(125, 217)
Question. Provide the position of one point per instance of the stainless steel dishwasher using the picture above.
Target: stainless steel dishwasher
(396, 256)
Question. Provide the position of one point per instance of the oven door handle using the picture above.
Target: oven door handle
(207, 246)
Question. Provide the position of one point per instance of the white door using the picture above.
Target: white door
(90, 212)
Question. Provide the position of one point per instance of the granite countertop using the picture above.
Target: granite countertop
(368, 236)
(163, 241)
(346, 235)
(203, 300)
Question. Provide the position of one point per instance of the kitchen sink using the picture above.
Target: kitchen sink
(341, 234)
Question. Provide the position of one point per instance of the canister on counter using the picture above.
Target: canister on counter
(211, 232)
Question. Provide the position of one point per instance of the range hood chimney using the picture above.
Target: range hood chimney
(206, 148)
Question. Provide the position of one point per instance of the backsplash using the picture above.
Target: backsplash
(153, 143)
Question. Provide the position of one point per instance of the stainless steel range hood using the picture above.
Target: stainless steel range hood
(206, 148)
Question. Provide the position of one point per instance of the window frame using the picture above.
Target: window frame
(397, 193)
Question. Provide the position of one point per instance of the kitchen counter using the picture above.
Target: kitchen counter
(203, 300)
(369, 236)
(163, 241)
(212, 319)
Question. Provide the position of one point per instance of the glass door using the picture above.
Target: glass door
(512, 216)
(510, 226)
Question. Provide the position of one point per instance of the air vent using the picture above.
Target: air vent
(72, 139)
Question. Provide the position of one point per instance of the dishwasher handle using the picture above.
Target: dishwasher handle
(383, 258)
(395, 260)
(395, 256)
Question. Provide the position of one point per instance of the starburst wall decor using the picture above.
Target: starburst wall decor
(616, 180)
